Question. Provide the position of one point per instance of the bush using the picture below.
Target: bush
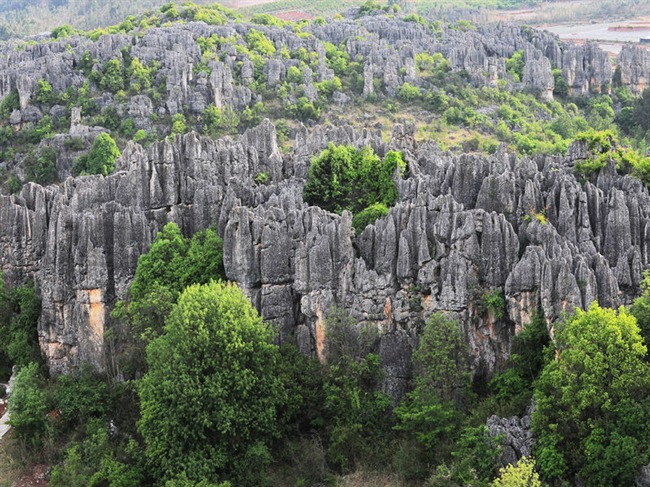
(81, 395)
(20, 310)
(97, 460)
(45, 170)
(261, 178)
(258, 42)
(113, 76)
(408, 93)
(494, 303)
(515, 66)
(304, 109)
(102, 156)
(28, 407)
(345, 178)
(44, 93)
(368, 216)
(294, 75)
(179, 124)
(63, 32)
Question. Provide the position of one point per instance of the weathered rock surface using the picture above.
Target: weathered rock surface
(462, 226)
(516, 434)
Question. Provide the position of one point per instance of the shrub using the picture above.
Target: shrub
(179, 124)
(20, 309)
(261, 178)
(494, 303)
(44, 93)
(408, 93)
(101, 158)
(113, 76)
(28, 407)
(294, 75)
(515, 66)
(258, 42)
(368, 216)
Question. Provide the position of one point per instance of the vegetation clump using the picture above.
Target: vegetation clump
(221, 425)
(343, 178)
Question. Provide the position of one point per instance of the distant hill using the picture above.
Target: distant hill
(22, 18)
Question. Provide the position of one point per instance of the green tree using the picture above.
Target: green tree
(28, 406)
(98, 460)
(20, 309)
(113, 76)
(62, 32)
(521, 475)
(212, 121)
(640, 309)
(593, 401)
(44, 93)
(515, 65)
(9, 103)
(356, 412)
(257, 41)
(432, 411)
(176, 262)
(294, 75)
(346, 178)
(141, 76)
(561, 86)
(179, 124)
(642, 110)
(102, 155)
(210, 398)
(171, 264)
(408, 93)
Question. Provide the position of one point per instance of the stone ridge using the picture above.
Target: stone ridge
(463, 225)
(387, 47)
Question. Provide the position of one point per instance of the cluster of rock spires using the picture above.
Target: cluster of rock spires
(387, 47)
(464, 225)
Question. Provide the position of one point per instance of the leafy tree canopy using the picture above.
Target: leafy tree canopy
(593, 402)
(210, 398)
(346, 178)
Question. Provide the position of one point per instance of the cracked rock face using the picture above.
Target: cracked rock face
(463, 225)
(517, 436)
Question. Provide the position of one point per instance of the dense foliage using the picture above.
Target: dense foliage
(172, 263)
(211, 395)
(101, 158)
(593, 401)
(20, 309)
(197, 393)
(356, 180)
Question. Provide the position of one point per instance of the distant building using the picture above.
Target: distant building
(645, 40)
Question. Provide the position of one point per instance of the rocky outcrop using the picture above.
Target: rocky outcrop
(634, 64)
(463, 225)
(587, 69)
(517, 437)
